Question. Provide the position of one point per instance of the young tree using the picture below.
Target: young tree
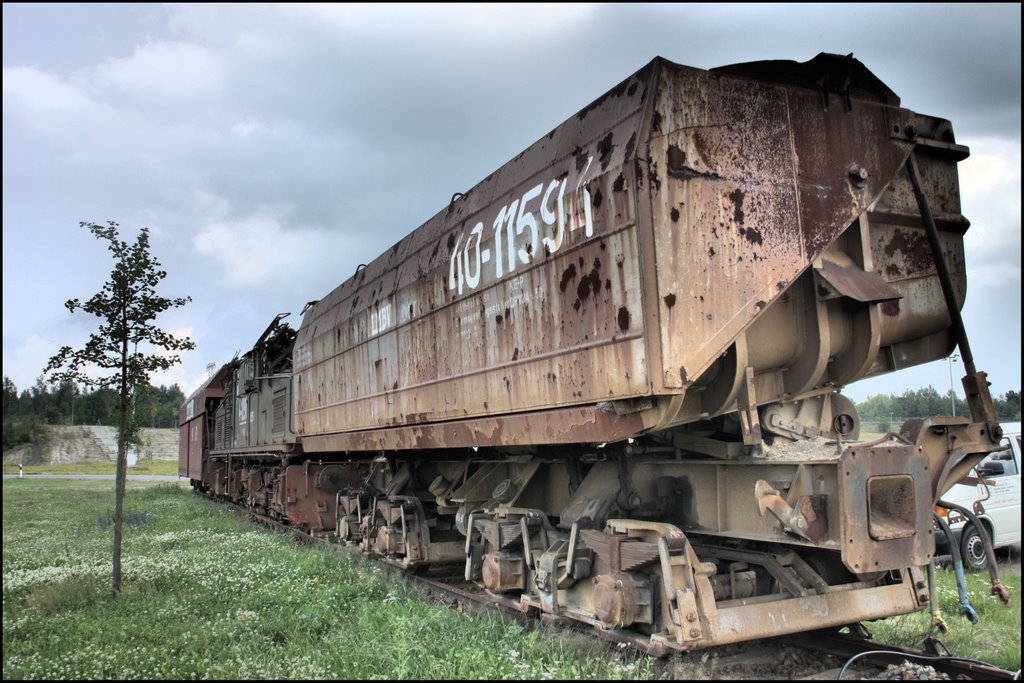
(127, 307)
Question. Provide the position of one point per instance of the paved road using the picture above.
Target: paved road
(109, 477)
(1009, 560)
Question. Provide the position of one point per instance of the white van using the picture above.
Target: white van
(996, 503)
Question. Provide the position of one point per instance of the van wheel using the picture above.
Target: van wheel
(972, 547)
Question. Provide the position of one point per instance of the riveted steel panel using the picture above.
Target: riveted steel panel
(749, 183)
(523, 295)
(648, 251)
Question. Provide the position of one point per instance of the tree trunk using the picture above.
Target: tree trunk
(122, 468)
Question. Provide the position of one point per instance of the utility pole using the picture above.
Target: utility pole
(952, 395)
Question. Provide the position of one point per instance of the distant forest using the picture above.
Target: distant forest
(889, 412)
(66, 404)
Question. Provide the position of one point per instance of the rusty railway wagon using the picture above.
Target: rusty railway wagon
(605, 379)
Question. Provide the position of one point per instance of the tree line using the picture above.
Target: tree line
(886, 409)
(68, 404)
(65, 403)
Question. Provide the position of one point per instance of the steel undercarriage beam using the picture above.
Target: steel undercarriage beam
(679, 553)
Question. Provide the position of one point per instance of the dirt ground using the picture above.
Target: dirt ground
(770, 660)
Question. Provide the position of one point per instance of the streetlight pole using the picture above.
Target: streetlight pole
(952, 395)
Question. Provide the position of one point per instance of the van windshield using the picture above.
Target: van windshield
(1001, 462)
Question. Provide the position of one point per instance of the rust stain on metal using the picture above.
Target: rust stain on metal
(891, 308)
(753, 235)
(630, 146)
(604, 148)
(740, 199)
(590, 283)
(623, 318)
(581, 159)
(912, 247)
(567, 275)
(676, 159)
(732, 204)
(736, 196)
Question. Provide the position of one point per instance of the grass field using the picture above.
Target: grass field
(207, 595)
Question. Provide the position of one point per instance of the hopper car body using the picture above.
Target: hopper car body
(605, 379)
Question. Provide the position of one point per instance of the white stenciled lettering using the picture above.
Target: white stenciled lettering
(509, 220)
(473, 259)
(511, 250)
(588, 220)
(526, 220)
(498, 221)
(380, 320)
(452, 280)
(549, 217)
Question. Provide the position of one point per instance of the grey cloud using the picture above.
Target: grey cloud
(355, 131)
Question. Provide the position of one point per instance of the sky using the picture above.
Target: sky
(271, 149)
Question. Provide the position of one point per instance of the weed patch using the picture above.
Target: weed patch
(74, 593)
(994, 639)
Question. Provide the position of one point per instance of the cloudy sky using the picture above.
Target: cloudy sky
(271, 149)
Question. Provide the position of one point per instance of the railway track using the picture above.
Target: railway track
(809, 656)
